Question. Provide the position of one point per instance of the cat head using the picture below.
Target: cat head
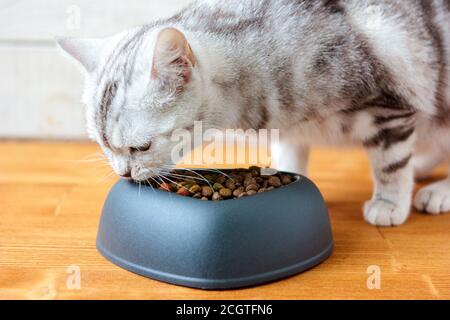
(140, 86)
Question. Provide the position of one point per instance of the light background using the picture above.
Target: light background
(40, 90)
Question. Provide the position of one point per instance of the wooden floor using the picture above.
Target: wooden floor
(50, 203)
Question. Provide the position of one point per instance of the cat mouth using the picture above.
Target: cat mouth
(146, 175)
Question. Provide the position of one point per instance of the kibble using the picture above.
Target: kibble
(225, 193)
(252, 187)
(285, 179)
(216, 196)
(195, 189)
(274, 181)
(230, 184)
(238, 192)
(207, 191)
(183, 192)
(221, 179)
(226, 184)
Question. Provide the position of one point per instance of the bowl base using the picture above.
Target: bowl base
(218, 284)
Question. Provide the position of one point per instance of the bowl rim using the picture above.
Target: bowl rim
(299, 179)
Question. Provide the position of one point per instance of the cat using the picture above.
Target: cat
(371, 73)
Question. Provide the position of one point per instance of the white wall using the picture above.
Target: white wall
(39, 89)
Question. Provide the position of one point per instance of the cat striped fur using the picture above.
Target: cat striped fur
(373, 73)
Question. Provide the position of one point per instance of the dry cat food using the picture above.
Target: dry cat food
(223, 184)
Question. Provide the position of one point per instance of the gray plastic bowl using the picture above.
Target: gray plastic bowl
(215, 245)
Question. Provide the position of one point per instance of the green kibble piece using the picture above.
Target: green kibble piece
(207, 191)
(217, 186)
(225, 193)
(274, 181)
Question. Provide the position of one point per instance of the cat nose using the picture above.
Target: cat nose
(126, 175)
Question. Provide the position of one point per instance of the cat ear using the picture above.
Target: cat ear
(84, 51)
(173, 58)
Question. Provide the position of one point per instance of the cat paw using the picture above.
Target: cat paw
(434, 199)
(384, 213)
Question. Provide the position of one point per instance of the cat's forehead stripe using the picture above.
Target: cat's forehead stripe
(123, 46)
(102, 115)
(119, 66)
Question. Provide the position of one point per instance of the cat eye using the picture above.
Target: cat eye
(143, 148)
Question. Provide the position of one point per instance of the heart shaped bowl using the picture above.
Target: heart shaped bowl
(215, 244)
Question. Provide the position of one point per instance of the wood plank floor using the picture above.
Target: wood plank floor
(50, 203)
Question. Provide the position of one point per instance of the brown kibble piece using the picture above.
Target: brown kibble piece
(251, 187)
(237, 178)
(216, 196)
(225, 193)
(221, 179)
(255, 171)
(259, 180)
(249, 181)
(285, 179)
(207, 191)
(274, 181)
(238, 191)
(230, 184)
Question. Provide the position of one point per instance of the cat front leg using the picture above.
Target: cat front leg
(290, 157)
(435, 198)
(390, 152)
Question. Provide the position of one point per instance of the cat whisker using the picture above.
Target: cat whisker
(200, 178)
(105, 177)
(170, 180)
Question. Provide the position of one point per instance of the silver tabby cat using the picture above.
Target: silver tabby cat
(374, 73)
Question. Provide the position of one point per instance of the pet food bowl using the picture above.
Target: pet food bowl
(215, 245)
